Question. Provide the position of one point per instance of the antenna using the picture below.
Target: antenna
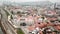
(55, 7)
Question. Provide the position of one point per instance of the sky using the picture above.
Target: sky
(29, 0)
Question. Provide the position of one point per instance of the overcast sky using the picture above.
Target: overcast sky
(30, 0)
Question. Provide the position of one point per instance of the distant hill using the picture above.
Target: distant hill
(40, 3)
(36, 3)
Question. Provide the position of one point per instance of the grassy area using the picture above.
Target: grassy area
(19, 31)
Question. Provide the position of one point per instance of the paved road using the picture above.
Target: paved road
(4, 19)
(1, 31)
(5, 22)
